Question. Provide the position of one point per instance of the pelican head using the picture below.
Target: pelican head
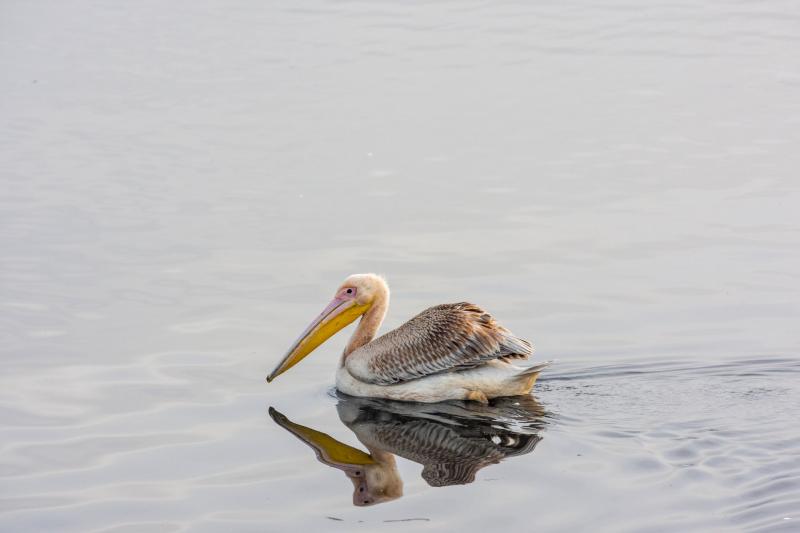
(355, 296)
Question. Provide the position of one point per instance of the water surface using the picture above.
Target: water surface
(184, 185)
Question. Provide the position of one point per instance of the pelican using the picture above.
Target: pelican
(447, 352)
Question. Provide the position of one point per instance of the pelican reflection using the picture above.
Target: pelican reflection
(452, 441)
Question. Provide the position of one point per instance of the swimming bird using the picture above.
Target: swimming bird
(447, 352)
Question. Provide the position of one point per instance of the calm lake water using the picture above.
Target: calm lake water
(184, 185)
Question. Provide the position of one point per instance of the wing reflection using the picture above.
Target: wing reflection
(452, 441)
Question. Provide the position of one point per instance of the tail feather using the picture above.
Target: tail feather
(526, 377)
(535, 369)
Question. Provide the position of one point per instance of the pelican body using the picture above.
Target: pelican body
(447, 352)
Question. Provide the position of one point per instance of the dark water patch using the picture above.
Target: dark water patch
(724, 435)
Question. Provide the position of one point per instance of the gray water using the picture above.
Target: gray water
(184, 185)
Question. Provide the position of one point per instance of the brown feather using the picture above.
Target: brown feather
(443, 338)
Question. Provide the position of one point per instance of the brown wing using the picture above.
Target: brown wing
(443, 338)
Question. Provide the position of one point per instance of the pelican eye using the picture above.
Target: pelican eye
(349, 291)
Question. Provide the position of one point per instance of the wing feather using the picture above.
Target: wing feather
(448, 337)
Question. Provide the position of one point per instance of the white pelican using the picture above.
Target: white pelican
(448, 352)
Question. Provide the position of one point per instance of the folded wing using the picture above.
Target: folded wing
(448, 337)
